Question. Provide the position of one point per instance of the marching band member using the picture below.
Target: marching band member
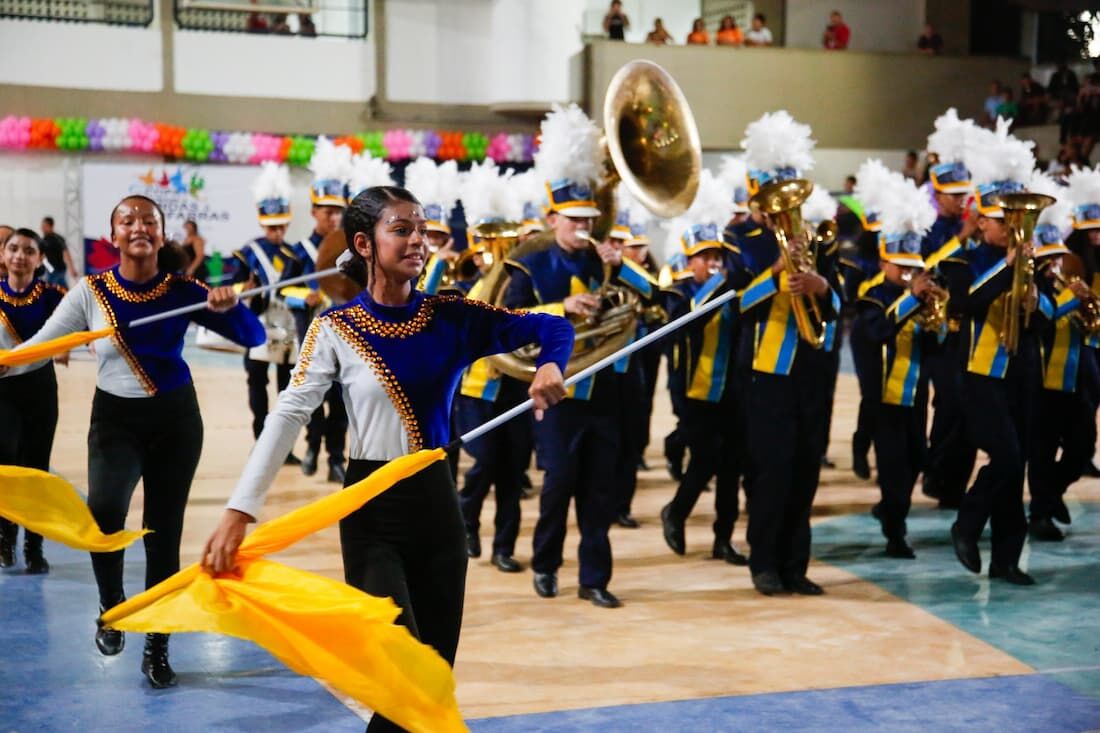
(951, 455)
(1065, 415)
(673, 271)
(579, 442)
(145, 417)
(500, 457)
(28, 394)
(1000, 387)
(705, 375)
(889, 314)
(265, 261)
(331, 168)
(531, 191)
(787, 392)
(398, 354)
(437, 185)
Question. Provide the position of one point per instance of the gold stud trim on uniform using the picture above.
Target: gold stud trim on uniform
(119, 290)
(305, 354)
(34, 294)
(95, 282)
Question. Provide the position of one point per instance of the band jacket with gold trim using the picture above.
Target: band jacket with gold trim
(705, 349)
(480, 380)
(978, 291)
(898, 343)
(769, 336)
(1069, 354)
(943, 230)
(283, 261)
(542, 280)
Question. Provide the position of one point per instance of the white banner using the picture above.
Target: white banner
(218, 198)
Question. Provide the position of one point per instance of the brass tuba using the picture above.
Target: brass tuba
(652, 147)
(782, 202)
(1021, 211)
(1087, 315)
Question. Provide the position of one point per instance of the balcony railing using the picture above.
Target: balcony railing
(109, 12)
(306, 18)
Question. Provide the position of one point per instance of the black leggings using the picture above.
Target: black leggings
(257, 388)
(157, 439)
(28, 414)
(409, 544)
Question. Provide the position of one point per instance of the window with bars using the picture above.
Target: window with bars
(109, 12)
(307, 18)
(714, 10)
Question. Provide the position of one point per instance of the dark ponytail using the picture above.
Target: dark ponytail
(171, 257)
(361, 216)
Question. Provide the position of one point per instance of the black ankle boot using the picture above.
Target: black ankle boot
(33, 557)
(154, 662)
(7, 552)
(109, 641)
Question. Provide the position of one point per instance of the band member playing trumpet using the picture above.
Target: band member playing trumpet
(786, 307)
(890, 315)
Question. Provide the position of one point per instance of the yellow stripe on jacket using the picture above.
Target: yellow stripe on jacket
(481, 380)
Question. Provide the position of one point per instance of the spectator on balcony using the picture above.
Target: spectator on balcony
(1033, 101)
(930, 42)
(1008, 108)
(698, 35)
(1087, 115)
(992, 103)
(911, 169)
(1063, 87)
(306, 27)
(837, 34)
(729, 34)
(616, 22)
(759, 34)
(658, 36)
(279, 26)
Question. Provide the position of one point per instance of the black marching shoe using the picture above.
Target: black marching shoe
(966, 550)
(642, 465)
(546, 585)
(526, 490)
(599, 596)
(506, 563)
(803, 586)
(35, 560)
(1091, 470)
(673, 531)
(154, 662)
(625, 520)
(900, 549)
(292, 460)
(860, 466)
(108, 641)
(336, 472)
(826, 463)
(309, 462)
(724, 550)
(1043, 529)
(768, 583)
(1011, 574)
(7, 552)
(1061, 512)
(473, 544)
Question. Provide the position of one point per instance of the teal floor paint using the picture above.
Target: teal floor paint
(1052, 626)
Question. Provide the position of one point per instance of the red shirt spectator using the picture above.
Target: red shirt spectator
(837, 33)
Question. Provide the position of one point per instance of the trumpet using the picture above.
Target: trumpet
(782, 202)
(1021, 212)
(933, 312)
(1087, 315)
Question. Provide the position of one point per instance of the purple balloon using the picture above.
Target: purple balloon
(95, 142)
(528, 147)
(432, 141)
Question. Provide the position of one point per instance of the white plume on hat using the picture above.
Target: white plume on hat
(1060, 213)
(777, 141)
(904, 206)
(952, 137)
(272, 183)
(488, 193)
(530, 188)
(999, 156)
(872, 178)
(569, 146)
(368, 171)
(713, 204)
(733, 171)
(433, 183)
(330, 161)
(819, 206)
(625, 201)
(1084, 186)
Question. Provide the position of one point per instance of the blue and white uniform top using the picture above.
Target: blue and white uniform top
(399, 367)
(22, 313)
(147, 360)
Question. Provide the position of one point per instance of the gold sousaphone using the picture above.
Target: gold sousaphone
(1021, 211)
(652, 147)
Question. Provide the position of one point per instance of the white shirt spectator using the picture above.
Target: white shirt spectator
(762, 37)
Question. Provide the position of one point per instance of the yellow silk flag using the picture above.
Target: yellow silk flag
(50, 506)
(316, 626)
(51, 348)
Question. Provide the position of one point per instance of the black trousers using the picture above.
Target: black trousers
(951, 453)
(158, 440)
(1063, 420)
(578, 444)
(499, 461)
(831, 360)
(332, 428)
(785, 451)
(634, 409)
(869, 378)
(257, 388)
(710, 429)
(408, 544)
(28, 414)
(651, 364)
(998, 415)
(899, 447)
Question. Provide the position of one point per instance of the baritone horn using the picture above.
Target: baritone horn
(782, 202)
(1021, 212)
